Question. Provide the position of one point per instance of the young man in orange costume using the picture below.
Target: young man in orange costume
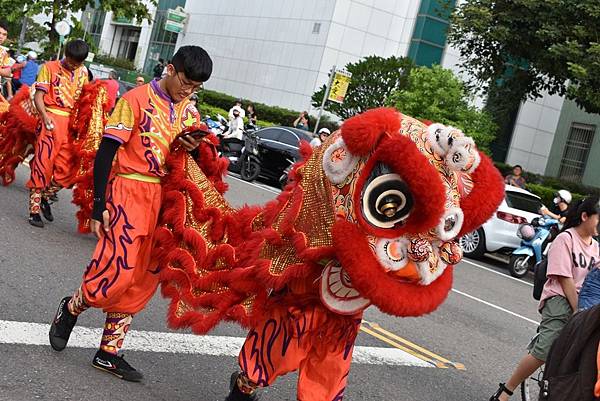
(58, 87)
(121, 278)
(5, 68)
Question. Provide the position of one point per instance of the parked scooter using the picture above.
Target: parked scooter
(250, 164)
(218, 126)
(535, 239)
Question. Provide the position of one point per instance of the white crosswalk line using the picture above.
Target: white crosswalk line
(27, 333)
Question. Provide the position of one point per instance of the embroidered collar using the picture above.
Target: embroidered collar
(165, 96)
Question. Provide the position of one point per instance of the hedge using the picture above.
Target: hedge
(274, 114)
(212, 111)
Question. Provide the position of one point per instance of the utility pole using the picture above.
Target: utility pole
(325, 96)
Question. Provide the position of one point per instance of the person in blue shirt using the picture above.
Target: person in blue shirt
(31, 69)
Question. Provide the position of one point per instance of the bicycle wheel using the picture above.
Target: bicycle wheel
(530, 388)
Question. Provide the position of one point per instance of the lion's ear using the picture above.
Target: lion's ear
(362, 132)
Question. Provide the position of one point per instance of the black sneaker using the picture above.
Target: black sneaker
(236, 395)
(53, 198)
(117, 366)
(46, 210)
(35, 220)
(62, 325)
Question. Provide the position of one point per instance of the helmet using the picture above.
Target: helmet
(32, 55)
(324, 131)
(565, 196)
(526, 232)
(194, 97)
(237, 108)
(21, 58)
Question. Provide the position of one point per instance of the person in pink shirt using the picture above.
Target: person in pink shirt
(571, 256)
(112, 88)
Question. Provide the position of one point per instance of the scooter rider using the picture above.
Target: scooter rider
(235, 133)
(562, 200)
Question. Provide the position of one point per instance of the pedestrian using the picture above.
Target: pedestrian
(30, 70)
(58, 86)
(240, 108)
(121, 278)
(5, 67)
(321, 137)
(112, 88)
(302, 121)
(572, 254)
(194, 100)
(17, 71)
(516, 179)
(139, 80)
(164, 71)
(252, 116)
(236, 125)
(158, 68)
(562, 200)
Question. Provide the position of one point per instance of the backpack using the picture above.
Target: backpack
(539, 275)
(571, 371)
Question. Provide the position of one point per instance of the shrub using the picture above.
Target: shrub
(272, 114)
(114, 61)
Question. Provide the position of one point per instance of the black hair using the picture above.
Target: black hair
(77, 50)
(161, 60)
(517, 165)
(90, 75)
(589, 205)
(194, 62)
(4, 25)
(11, 52)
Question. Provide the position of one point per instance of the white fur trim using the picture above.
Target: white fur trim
(337, 293)
(337, 171)
(463, 155)
(448, 235)
(383, 253)
(434, 136)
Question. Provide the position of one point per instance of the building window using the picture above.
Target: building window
(431, 28)
(162, 43)
(574, 160)
(95, 24)
(316, 27)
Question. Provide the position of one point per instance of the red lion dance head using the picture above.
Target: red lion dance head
(370, 218)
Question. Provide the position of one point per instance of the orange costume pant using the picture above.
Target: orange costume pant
(51, 157)
(121, 276)
(281, 345)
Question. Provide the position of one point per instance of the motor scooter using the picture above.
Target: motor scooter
(535, 239)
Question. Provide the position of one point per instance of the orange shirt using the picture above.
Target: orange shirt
(62, 87)
(146, 122)
(4, 58)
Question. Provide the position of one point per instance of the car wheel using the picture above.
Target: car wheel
(473, 244)
(249, 170)
(519, 265)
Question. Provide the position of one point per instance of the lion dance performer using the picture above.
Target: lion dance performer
(121, 277)
(57, 88)
(370, 218)
(5, 67)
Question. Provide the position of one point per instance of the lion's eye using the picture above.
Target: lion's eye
(386, 198)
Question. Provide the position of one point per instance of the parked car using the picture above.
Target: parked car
(276, 148)
(499, 234)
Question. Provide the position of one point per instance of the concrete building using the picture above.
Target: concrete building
(279, 52)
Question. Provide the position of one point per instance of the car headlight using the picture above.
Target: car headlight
(526, 232)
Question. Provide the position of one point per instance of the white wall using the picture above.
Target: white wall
(267, 51)
(534, 133)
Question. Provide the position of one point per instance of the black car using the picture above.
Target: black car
(270, 151)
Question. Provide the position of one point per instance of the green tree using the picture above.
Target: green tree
(528, 46)
(374, 78)
(436, 94)
(14, 10)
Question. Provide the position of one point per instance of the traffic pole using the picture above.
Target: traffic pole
(325, 96)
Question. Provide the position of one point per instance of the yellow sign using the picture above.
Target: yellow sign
(339, 86)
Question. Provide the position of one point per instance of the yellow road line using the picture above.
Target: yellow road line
(401, 347)
(394, 340)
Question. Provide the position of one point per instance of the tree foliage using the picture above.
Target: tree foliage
(14, 10)
(436, 94)
(531, 46)
(374, 78)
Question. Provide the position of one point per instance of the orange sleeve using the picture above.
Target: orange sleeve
(121, 122)
(44, 79)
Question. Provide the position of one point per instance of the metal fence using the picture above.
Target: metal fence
(577, 149)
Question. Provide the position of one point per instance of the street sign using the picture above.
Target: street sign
(62, 28)
(339, 86)
(176, 19)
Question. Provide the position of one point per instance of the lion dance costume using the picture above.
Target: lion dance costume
(370, 218)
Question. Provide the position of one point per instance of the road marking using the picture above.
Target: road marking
(496, 272)
(439, 361)
(495, 306)
(28, 333)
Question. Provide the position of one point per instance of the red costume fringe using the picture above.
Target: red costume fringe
(17, 134)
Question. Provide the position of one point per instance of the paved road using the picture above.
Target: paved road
(484, 326)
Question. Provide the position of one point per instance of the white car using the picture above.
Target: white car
(499, 234)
